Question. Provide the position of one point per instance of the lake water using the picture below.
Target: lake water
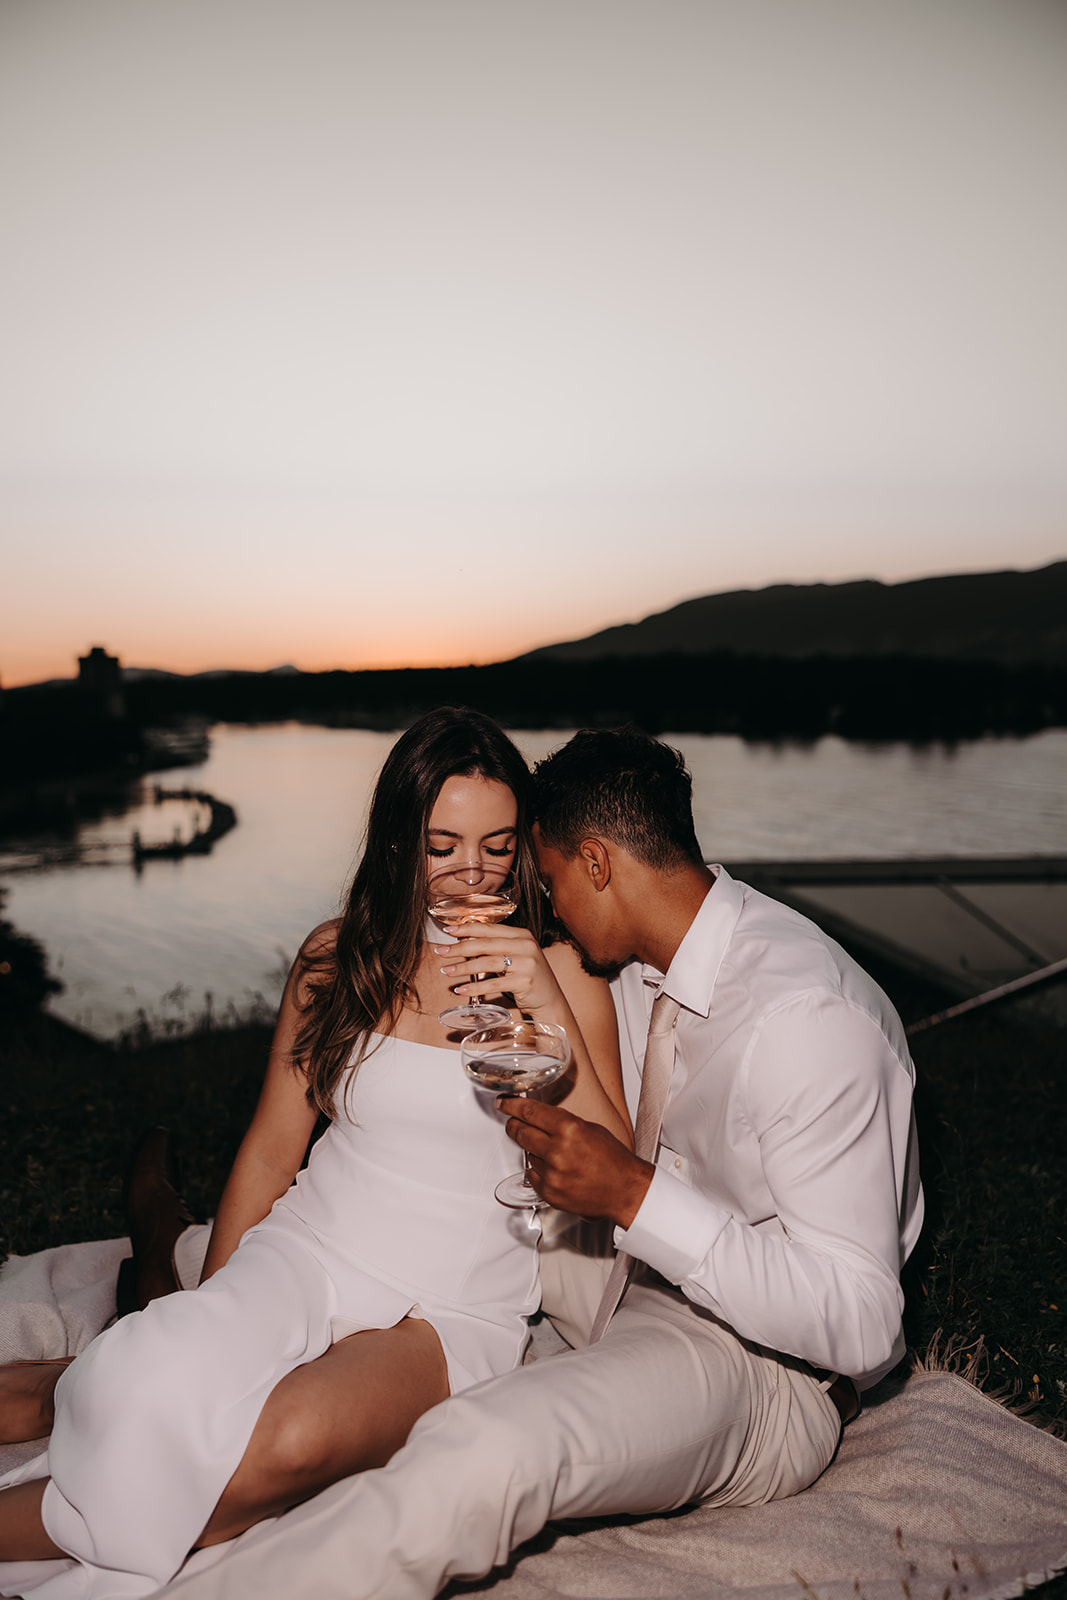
(227, 924)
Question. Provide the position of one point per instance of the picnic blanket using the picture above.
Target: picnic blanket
(938, 1492)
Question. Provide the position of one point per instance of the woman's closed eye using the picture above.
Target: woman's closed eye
(490, 850)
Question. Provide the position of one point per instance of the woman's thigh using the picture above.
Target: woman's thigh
(360, 1399)
(349, 1409)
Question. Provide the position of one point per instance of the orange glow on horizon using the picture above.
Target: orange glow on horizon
(27, 668)
(320, 638)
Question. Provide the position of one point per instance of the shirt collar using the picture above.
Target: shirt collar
(691, 976)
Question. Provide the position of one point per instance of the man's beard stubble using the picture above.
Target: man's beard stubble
(595, 969)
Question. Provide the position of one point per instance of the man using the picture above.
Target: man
(770, 1217)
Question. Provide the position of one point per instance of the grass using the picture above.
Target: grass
(991, 1269)
(71, 1111)
(987, 1283)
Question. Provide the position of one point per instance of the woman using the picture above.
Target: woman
(386, 1277)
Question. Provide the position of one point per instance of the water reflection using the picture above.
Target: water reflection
(226, 924)
(98, 832)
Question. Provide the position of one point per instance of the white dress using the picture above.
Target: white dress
(393, 1215)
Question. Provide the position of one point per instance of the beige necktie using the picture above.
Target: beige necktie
(651, 1104)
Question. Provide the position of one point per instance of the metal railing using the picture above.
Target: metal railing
(1027, 981)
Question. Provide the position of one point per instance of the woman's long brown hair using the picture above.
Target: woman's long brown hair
(358, 985)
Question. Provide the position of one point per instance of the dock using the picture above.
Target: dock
(968, 924)
(221, 818)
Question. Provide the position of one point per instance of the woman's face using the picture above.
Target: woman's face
(473, 822)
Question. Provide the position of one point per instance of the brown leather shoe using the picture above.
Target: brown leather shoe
(157, 1216)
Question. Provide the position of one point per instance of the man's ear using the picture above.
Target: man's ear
(596, 859)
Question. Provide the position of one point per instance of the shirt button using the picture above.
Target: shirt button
(678, 1161)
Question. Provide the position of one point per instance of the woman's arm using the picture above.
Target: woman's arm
(595, 1082)
(271, 1151)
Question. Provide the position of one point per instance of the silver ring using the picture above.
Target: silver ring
(507, 963)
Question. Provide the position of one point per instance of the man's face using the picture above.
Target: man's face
(580, 908)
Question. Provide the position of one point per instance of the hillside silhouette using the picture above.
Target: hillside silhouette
(1010, 617)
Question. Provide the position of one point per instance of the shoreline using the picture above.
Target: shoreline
(56, 731)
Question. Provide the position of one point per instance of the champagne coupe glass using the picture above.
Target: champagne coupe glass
(513, 1058)
(475, 892)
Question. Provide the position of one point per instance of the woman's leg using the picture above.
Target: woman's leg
(157, 1214)
(350, 1409)
(27, 1399)
(22, 1535)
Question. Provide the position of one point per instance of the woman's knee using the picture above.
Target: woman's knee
(291, 1446)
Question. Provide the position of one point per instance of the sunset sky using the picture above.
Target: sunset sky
(352, 334)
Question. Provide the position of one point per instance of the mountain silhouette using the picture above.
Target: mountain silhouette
(1010, 617)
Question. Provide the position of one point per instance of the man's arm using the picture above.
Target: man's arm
(830, 1104)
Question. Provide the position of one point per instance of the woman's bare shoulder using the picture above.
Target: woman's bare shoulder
(321, 941)
(314, 962)
(572, 977)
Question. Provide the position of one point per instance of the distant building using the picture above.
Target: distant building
(101, 676)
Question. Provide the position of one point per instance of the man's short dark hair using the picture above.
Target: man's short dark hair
(618, 784)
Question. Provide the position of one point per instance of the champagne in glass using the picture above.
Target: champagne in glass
(464, 896)
(515, 1058)
(475, 906)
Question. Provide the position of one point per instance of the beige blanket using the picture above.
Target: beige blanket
(937, 1492)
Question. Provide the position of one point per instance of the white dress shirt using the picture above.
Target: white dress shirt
(786, 1196)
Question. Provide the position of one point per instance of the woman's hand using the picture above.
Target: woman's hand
(552, 984)
(510, 961)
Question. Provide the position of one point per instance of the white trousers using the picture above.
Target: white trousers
(670, 1407)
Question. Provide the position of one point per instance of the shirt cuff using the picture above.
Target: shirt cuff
(674, 1228)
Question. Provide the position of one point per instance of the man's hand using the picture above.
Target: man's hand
(577, 1165)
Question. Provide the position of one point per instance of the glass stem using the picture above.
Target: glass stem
(524, 1094)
